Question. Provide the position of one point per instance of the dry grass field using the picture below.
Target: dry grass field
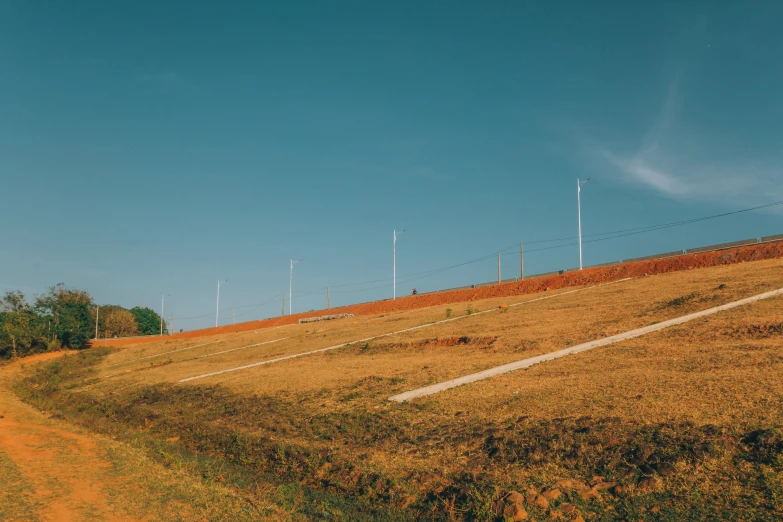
(681, 424)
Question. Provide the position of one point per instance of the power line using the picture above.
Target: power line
(662, 225)
(613, 235)
(427, 273)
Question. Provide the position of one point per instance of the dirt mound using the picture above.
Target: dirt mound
(758, 331)
(444, 342)
(528, 286)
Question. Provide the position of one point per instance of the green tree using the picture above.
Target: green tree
(22, 332)
(116, 321)
(148, 321)
(70, 312)
(6, 348)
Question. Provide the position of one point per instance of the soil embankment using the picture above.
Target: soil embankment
(528, 286)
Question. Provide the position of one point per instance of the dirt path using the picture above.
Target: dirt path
(64, 473)
(53, 471)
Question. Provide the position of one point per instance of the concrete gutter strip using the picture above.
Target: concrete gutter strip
(526, 363)
(241, 348)
(164, 353)
(328, 348)
(342, 345)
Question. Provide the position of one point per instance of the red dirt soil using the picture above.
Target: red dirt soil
(528, 286)
(44, 452)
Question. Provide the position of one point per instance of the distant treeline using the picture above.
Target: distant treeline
(65, 318)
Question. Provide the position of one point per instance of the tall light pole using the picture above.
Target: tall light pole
(97, 315)
(217, 307)
(162, 298)
(579, 213)
(394, 277)
(291, 285)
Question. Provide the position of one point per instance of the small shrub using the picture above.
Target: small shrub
(678, 302)
(448, 313)
(54, 345)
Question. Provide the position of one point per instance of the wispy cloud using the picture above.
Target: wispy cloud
(638, 169)
(684, 165)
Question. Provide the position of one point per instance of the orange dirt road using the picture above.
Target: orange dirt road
(66, 476)
(54, 471)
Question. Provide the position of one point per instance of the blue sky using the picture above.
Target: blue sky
(154, 147)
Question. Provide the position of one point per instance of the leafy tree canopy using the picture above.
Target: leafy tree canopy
(116, 321)
(22, 331)
(148, 321)
(71, 313)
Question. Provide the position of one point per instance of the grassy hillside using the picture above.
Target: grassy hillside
(683, 424)
(508, 290)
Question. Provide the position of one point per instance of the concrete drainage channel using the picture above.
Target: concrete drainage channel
(163, 353)
(526, 363)
(343, 345)
(194, 358)
(242, 347)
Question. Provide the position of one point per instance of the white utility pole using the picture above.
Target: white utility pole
(291, 285)
(394, 277)
(521, 263)
(217, 307)
(97, 315)
(162, 298)
(579, 212)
